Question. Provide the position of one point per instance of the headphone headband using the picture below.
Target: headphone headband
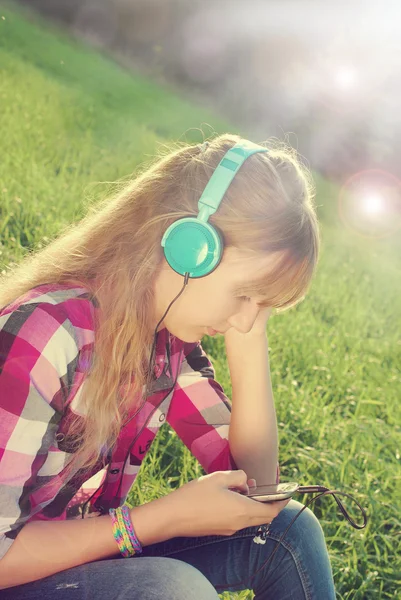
(192, 245)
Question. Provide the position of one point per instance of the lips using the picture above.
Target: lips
(212, 331)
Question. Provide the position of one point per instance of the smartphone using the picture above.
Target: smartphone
(273, 492)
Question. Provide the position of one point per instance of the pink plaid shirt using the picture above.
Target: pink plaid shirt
(46, 343)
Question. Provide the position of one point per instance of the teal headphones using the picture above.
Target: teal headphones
(192, 246)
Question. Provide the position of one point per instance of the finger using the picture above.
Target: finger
(237, 480)
(280, 504)
(284, 503)
(241, 489)
(270, 510)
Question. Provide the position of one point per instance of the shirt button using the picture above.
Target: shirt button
(60, 437)
(162, 417)
(114, 471)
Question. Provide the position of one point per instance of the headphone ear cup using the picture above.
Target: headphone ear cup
(192, 246)
(221, 246)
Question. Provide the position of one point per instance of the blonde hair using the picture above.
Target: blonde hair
(115, 253)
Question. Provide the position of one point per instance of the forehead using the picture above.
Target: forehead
(242, 266)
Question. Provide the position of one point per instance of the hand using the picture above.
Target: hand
(211, 505)
(260, 323)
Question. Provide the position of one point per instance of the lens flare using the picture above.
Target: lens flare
(370, 203)
(345, 77)
(373, 205)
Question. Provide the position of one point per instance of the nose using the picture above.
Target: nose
(243, 320)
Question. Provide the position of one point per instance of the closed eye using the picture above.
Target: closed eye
(248, 299)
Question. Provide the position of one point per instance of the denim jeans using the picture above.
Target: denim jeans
(200, 568)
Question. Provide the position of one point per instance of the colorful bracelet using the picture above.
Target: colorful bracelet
(117, 534)
(125, 550)
(124, 531)
(130, 528)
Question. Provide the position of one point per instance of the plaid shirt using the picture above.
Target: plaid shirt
(46, 344)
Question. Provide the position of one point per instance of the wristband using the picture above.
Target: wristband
(130, 529)
(124, 532)
(125, 550)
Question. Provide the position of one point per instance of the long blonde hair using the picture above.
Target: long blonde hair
(115, 253)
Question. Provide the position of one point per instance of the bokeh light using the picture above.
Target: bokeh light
(373, 205)
(370, 203)
(345, 77)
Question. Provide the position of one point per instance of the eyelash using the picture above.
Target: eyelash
(246, 299)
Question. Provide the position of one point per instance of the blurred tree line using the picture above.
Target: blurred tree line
(274, 67)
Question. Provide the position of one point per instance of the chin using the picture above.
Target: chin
(192, 339)
(196, 337)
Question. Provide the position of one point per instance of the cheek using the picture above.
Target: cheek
(210, 304)
(225, 306)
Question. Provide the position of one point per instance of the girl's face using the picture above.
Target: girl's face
(210, 302)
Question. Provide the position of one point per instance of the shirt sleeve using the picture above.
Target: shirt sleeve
(200, 412)
(38, 353)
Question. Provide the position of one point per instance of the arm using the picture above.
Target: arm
(38, 350)
(200, 413)
(253, 430)
(43, 548)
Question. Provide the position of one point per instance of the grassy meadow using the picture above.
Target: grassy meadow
(71, 118)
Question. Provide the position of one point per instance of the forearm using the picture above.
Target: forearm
(43, 548)
(253, 435)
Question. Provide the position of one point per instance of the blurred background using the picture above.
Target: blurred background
(328, 71)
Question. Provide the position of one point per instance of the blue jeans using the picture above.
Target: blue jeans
(200, 568)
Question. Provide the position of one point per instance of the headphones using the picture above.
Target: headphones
(192, 245)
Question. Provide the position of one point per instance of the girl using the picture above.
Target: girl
(100, 343)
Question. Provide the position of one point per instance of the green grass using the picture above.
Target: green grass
(70, 117)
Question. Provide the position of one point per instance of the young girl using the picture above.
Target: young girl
(100, 344)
